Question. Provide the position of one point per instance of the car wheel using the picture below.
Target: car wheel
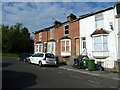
(29, 61)
(40, 64)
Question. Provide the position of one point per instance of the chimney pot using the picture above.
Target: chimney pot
(56, 23)
(71, 17)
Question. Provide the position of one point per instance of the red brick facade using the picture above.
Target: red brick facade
(58, 35)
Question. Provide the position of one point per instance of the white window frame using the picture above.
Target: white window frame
(66, 29)
(66, 53)
(99, 21)
(40, 36)
(51, 47)
(37, 47)
(51, 33)
(101, 42)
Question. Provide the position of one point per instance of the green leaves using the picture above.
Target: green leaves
(16, 39)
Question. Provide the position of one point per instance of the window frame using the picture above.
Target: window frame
(51, 47)
(40, 36)
(65, 52)
(99, 18)
(37, 49)
(66, 29)
(101, 42)
(51, 33)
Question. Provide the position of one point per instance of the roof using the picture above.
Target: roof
(38, 42)
(51, 40)
(66, 37)
(80, 17)
(90, 14)
(45, 29)
(99, 31)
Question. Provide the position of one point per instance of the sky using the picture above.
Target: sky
(38, 15)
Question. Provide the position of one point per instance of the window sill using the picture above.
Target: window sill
(65, 54)
(100, 54)
(66, 34)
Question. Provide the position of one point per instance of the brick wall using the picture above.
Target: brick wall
(58, 34)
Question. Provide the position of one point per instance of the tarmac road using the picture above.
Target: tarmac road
(20, 75)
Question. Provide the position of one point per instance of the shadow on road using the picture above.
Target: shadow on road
(17, 80)
(6, 64)
(54, 66)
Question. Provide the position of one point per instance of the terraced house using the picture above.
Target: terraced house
(96, 35)
(61, 39)
(100, 39)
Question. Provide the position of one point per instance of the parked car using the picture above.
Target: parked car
(24, 57)
(42, 59)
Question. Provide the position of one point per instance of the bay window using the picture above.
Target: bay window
(38, 47)
(51, 47)
(66, 47)
(100, 43)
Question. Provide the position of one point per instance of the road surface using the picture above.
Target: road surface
(20, 74)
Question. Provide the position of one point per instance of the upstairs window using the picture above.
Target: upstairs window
(52, 34)
(66, 30)
(40, 36)
(99, 21)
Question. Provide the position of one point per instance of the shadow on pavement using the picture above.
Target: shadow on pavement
(6, 64)
(17, 80)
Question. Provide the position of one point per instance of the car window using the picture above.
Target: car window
(34, 55)
(40, 55)
(49, 55)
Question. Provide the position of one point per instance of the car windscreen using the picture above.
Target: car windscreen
(49, 55)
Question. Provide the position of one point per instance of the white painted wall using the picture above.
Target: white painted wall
(118, 38)
(87, 27)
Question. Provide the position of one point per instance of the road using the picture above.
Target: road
(19, 74)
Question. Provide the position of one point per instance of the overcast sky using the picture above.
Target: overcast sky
(38, 15)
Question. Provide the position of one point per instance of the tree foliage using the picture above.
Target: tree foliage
(16, 39)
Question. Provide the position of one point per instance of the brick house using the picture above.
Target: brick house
(61, 39)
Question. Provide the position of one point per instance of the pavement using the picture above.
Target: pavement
(110, 75)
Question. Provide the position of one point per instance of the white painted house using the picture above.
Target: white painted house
(100, 35)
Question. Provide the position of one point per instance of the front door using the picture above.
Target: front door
(77, 46)
(83, 46)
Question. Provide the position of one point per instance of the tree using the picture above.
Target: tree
(16, 39)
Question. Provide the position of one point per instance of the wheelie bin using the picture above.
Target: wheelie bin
(91, 65)
(85, 62)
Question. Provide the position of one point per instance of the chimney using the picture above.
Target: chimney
(56, 23)
(71, 17)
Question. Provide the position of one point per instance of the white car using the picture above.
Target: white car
(42, 59)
